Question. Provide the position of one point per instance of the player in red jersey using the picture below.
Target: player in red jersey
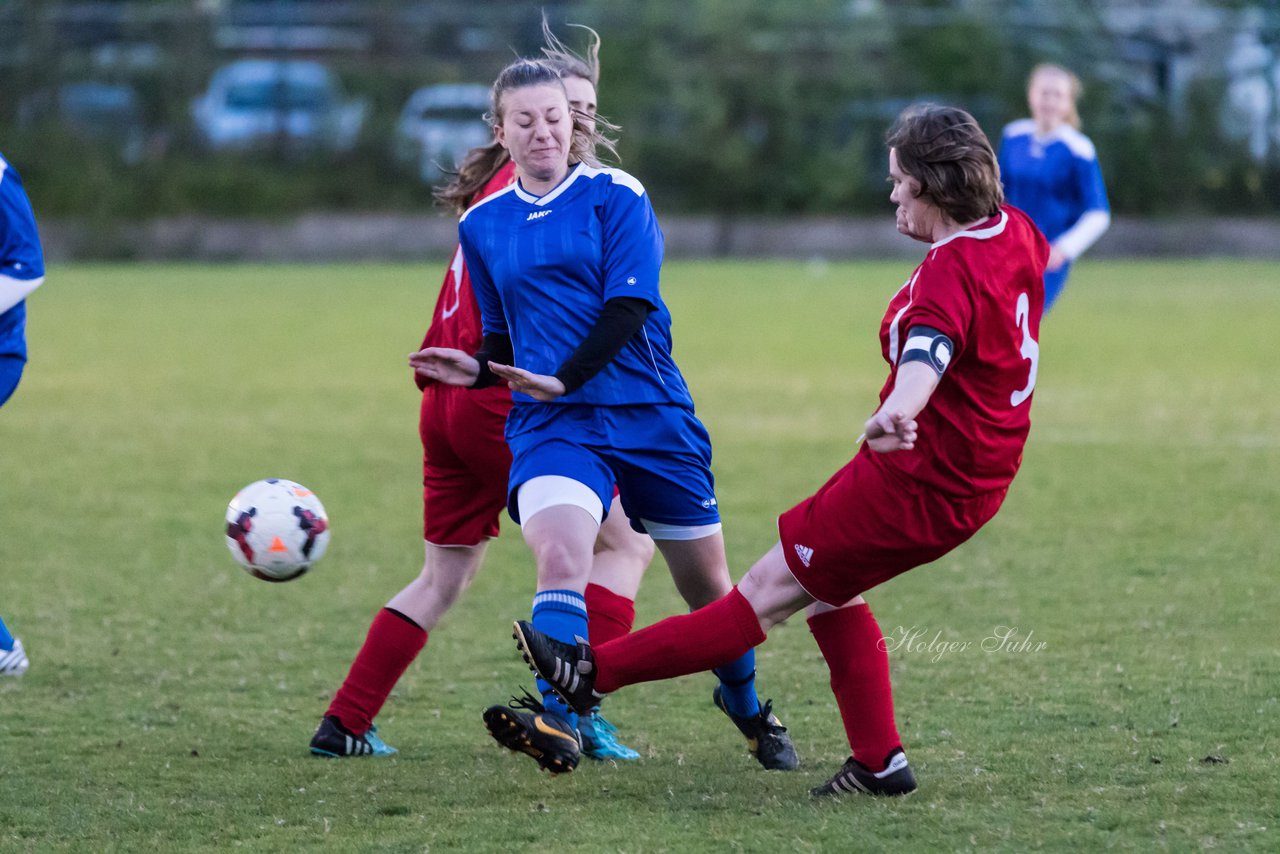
(465, 465)
(940, 453)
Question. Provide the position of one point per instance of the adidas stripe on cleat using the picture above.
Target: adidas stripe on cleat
(334, 741)
(570, 669)
(13, 662)
(895, 779)
(767, 738)
(547, 738)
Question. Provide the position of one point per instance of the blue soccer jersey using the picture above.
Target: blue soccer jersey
(1055, 179)
(542, 268)
(21, 261)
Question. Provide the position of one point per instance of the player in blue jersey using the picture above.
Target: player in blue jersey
(21, 272)
(1050, 170)
(465, 466)
(565, 266)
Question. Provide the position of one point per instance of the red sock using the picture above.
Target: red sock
(851, 642)
(394, 641)
(609, 615)
(689, 643)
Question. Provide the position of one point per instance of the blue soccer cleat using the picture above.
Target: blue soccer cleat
(600, 739)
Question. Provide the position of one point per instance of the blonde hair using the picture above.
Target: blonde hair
(1074, 88)
(570, 63)
(481, 164)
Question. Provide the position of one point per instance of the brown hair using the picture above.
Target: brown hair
(944, 149)
(481, 164)
(1074, 88)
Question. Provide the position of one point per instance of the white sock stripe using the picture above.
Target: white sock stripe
(562, 597)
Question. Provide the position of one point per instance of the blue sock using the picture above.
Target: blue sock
(561, 614)
(6, 639)
(738, 685)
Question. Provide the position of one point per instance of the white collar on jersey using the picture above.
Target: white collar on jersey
(525, 196)
(976, 233)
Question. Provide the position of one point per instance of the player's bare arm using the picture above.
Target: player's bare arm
(446, 365)
(538, 386)
(893, 427)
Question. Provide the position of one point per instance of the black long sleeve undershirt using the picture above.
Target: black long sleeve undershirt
(495, 347)
(620, 318)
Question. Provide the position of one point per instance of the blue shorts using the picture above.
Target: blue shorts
(10, 372)
(659, 456)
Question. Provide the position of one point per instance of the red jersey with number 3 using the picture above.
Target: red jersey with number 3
(456, 320)
(984, 288)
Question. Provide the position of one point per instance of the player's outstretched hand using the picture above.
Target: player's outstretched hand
(446, 365)
(537, 386)
(890, 431)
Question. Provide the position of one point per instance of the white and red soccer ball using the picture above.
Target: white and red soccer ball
(276, 529)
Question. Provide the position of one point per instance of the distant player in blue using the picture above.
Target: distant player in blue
(21, 272)
(565, 266)
(1050, 170)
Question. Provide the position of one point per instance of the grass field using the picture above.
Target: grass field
(171, 696)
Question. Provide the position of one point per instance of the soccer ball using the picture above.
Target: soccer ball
(276, 529)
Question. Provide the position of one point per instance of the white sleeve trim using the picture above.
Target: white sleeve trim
(14, 291)
(1079, 237)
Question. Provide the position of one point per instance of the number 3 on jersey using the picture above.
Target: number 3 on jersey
(1030, 350)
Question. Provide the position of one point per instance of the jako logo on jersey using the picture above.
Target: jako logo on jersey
(538, 214)
(804, 553)
(631, 280)
(709, 503)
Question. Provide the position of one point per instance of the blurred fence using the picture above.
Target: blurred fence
(321, 237)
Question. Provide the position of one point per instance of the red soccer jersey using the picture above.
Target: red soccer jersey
(456, 320)
(984, 288)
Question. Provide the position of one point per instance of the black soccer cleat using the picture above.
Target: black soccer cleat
(547, 738)
(570, 669)
(335, 741)
(767, 738)
(895, 779)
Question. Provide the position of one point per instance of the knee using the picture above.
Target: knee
(636, 550)
(560, 565)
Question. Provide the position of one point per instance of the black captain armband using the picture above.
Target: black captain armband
(926, 344)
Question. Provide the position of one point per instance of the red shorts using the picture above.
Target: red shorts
(866, 525)
(465, 462)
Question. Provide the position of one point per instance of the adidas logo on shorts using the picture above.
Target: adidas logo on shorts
(804, 553)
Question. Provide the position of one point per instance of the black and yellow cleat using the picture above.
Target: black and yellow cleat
(895, 779)
(547, 738)
(767, 738)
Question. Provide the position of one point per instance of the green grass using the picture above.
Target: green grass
(171, 696)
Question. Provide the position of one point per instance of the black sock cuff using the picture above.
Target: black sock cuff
(404, 617)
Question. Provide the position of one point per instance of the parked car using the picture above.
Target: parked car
(256, 102)
(109, 112)
(439, 125)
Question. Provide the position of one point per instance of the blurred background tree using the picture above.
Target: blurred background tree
(733, 107)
